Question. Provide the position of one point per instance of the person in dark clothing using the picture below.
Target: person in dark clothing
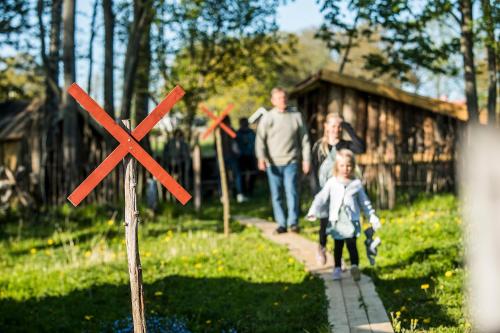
(245, 137)
(231, 153)
(324, 149)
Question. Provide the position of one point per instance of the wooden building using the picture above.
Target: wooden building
(411, 140)
(29, 143)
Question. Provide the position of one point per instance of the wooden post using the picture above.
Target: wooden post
(197, 175)
(223, 180)
(132, 243)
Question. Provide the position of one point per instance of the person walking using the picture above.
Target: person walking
(343, 197)
(245, 137)
(231, 153)
(282, 144)
(323, 159)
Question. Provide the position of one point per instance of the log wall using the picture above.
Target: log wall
(408, 148)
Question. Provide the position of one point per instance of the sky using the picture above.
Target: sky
(299, 15)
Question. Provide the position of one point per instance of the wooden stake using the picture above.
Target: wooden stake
(131, 227)
(223, 181)
(197, 175)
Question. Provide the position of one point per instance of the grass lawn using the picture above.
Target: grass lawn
(65, 271)
(419, 273)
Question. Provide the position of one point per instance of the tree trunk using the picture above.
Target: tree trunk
(91, 47)
(71, 130)
(142, 82)
(492, 65)
(109, 22)
(352, 31)
(467, 46)
(132, 55)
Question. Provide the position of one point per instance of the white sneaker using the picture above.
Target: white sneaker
(343, 266)
(355, 273)
(337, 273)
(321, 255)
(241, 198)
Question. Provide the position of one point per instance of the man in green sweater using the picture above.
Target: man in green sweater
(282, 144)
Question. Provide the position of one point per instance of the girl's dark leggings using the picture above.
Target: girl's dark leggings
(323, 223)
(351, 247)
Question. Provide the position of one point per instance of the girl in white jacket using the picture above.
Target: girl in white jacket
(341, 200)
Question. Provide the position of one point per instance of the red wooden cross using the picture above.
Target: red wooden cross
(128, 144)
(218, 121)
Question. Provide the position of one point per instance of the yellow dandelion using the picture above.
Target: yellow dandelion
(158, 293)
(398, 314)
(50, 241)
(403, 309)
(448, 274)
(88, 317)
(33, 251)
(220, 268)
(197, 266)
(111, 222)
(147, 254)
(215, 251)
(88, 254)
(427, 320)
(425, 286)
(170, 233)
(290, 260)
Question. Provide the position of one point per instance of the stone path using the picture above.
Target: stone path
(353, 307)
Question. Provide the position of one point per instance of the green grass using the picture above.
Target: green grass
(421, 245)
(66, 270)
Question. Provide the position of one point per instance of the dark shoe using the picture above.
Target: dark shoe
(295, 228)
(280, 230)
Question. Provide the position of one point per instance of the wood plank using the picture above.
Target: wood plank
(334, 99)
(349, 107)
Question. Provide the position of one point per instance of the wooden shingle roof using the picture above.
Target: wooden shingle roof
(454, 110)
(15, 118)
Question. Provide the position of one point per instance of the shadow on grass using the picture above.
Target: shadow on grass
(405, 295)
(429, 254)
(204, 304)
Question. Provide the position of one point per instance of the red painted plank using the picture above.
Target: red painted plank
(127, 144)
(218, 121)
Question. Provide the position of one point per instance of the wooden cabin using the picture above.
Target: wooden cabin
(411, 140)
(28, 143)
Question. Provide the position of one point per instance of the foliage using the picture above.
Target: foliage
(66, 271)
(13, 20)
(407, 41)
(20, 78)
(221, 43)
